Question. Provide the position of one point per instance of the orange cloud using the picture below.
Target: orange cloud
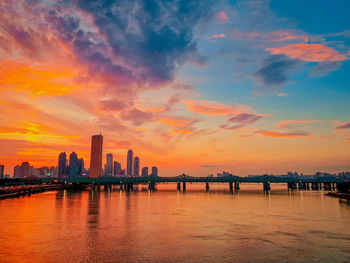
(218, 36)
(294, 123)
(309, 52)
(213, 107)
(177, 122)
(269, 133)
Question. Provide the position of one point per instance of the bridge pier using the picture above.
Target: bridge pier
(327, 186)
(178, 187)
(292, 186)
(207, 186)
(236, 186)
(231, 186)
(151, 186)
(267, 186)
(301, 186)
(314, 186)
(129, 186)
(333, 186)
(184, 186)
(121, 187)
(307, 186)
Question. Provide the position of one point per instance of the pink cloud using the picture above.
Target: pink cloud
(343, 126)
(309, 52)
(294, 123)
(223, 18)
(218, 36)
(269, 133)
(240, 121)
(282, 94)
(213, 107)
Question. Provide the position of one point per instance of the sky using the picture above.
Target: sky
(195, 87)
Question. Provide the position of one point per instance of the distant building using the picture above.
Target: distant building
(73, 165)
(80, 166)
(154, 171)
(136, 166)
(24, 170)
(2, 168)
(17, 171)
(129, 163)
(145, 171)
(62, 160)
(117, 168)
(96, 156)
(122, 172)
(109, 164)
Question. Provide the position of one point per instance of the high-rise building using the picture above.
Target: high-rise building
(24, 170)
(80, 166)
(2, 168)
(129, 163)
(17, 171)
(154, 171)
(109, 164)
(73, 165)
(136, 166)
(117, 168)
(145, 171)
(62, 160)
(96, 156)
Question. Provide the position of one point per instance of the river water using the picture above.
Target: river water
(171, 226)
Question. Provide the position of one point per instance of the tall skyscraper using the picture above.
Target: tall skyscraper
(2, 168)
(154, 171)
(24, 170)
(73, 165)
(145, 171)
(80, 166)
(17, 171)
(62, 160)
(136, 166)
(96, 156)
(109, 166)
(117, 168)
(129, 163)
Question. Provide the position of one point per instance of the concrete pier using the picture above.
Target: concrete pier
(231, 186)
(237, 186)
(207, 186)
(267, 186)
(151, 186)
(292, 186)
(178, 186)
(315, 186)
(184, 186)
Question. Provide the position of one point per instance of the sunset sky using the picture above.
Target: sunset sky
(193, 87)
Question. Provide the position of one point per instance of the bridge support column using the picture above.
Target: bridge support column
(151, 186)
(292, 186)
(236, 186)
(307, 186)
(301, 186)
(231, 186)
(129, 186)
(333, 186)
(314, 186)
(121, 187)
(327, 186)
(267, 186)
(178, 187)
(184, 186)
(207, 186)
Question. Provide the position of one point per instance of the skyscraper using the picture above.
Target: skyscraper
(136, 166)
(73, 165)
(96, 156)
(109, 162)
(154, 171)
(80, 166)
(129, 163)
(24, 170)
(117, 168)
(145, 171)
(2, 168)
(62, 159)
(17, 171)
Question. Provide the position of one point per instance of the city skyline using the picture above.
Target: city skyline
(248, 87)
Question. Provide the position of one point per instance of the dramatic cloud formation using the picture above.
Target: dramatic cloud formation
(240, 121)
(213, 107)
(274, 72)
(308, 52)
(343, 126)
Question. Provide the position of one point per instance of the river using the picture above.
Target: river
(171, 226)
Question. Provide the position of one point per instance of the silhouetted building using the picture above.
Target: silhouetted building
(96, 156)
(62, 160)
(17, 171)
(154, 171)
(80, 166)
(122, 172)
(24, 170)
(109, 164)
(136, 166)
(73, 165)
(129, 163)
(145, 171)
(2, 168)
(117, 168)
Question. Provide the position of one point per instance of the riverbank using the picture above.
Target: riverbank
(339, 195)
(17, 191)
